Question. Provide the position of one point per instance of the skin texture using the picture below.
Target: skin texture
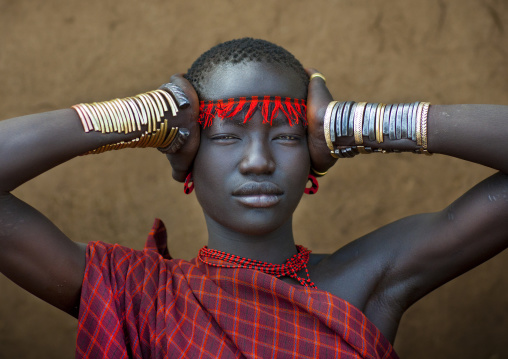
(34, 253)
(382, 273)
(233, 155)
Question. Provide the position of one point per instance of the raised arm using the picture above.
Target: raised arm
(428, 250)
(475, 133)
(407, 259)
(34, 253)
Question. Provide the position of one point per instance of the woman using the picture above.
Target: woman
(249, 176)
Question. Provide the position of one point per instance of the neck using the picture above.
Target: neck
(273, 247)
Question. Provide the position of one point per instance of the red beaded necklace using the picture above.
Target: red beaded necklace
(292, 266)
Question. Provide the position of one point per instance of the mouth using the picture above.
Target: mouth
(258, 194)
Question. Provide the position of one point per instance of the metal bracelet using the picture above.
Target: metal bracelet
(425, 112)
(405, 110)
(392, 134)
(366, 116)
(419, 124)
(333, 117)
(345, 117)
(413, 120)
(379, 122)
(372, 121)
(338, 123)
(409, 121)
(398, 121)
(350, 126)
(326, 125)
(358, 118)
(386, 120)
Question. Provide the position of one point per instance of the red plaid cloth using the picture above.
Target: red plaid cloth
(142, 304)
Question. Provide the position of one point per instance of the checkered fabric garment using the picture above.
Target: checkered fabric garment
(142, 304)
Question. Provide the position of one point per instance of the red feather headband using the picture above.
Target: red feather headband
(295, 110)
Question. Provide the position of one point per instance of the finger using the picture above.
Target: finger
(180, 166)
(317, 85)
(310, 71)
(179, 176)
(180, 96)
(180, 81)
(315, 74)
(177, 142)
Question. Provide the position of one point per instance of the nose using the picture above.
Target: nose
(257, 158)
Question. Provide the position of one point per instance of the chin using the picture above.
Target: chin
(256, 222)
(257, 229)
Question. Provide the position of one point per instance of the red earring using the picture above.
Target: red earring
(314, 185)
(188, 186)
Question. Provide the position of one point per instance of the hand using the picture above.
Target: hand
(182, 151)
(318, 99)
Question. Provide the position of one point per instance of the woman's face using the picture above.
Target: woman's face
(250, 177)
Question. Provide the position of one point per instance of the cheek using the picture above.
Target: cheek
(205, 185)
(205, 169)
(211, 171)
(296, 166)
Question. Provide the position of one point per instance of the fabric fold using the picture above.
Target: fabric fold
(142, 304)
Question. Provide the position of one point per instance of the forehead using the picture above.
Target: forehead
(280, 121)
(251, 79)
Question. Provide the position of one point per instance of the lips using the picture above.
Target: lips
(258, 194)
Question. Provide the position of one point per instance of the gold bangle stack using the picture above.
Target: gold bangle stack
(160, 138)
(129, 115)
(374, 121)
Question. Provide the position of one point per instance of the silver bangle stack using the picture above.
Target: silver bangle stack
(374, 121)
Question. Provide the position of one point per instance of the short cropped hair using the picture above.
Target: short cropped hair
(240, 51)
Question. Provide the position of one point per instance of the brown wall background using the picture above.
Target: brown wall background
(56, 53)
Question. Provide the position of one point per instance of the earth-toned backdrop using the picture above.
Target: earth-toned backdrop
(56, 53)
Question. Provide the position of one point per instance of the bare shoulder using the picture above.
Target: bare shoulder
(356, 273)
(353, 272)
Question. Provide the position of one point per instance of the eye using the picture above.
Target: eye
(288, 138)
(224, 138)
